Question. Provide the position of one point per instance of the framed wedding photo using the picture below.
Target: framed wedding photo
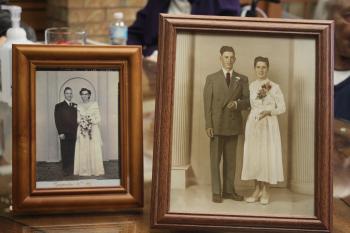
(77, 128)
(243, 128)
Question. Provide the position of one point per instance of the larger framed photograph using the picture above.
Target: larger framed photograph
(77, 128)
(243, 134)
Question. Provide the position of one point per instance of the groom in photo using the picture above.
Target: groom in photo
(226, 94)
(66, 124)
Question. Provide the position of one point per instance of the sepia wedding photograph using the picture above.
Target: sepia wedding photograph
(245, 125)
(243, 121)
(77, 127)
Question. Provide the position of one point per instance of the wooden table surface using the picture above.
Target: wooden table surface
(125, 222)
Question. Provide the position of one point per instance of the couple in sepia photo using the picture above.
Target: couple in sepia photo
(226, 94)
(79, 134)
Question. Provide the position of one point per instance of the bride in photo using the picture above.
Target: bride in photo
(88, 159)
(262, 156)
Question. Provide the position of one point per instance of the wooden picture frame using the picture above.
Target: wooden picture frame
(188, 52)
(119, 65)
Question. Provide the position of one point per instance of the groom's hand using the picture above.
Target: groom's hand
(210, 132)
(232, 104)
(62, 136)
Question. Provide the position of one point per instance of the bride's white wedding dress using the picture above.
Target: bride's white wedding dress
(88, 159)
(262, 157)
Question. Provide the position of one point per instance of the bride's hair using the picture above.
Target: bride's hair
(262, 59)
(85, 89)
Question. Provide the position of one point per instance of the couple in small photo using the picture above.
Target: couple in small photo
(79, 134)
(226, 94)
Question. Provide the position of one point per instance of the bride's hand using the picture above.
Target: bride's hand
(264, 114)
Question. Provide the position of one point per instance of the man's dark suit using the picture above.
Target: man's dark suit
(226, 124)
(66, 123)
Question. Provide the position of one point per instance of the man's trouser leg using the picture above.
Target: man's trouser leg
(215, 157)
(229, 163)
(67, 152)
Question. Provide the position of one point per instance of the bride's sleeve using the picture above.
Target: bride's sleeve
(96, 117)
(279, 100)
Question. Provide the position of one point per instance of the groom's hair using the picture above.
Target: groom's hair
(226, 49)
(67, 88)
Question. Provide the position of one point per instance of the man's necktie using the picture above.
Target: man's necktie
(228, 79)
(71, 105)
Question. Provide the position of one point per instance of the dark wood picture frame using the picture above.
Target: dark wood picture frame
(322, 33)
(27, 198)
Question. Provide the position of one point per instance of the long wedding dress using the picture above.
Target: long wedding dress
(262, 157)
(88, 159)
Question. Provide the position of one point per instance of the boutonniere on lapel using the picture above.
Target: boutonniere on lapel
(74, 106)
(264, 89)
(235, 81)
(237, 78)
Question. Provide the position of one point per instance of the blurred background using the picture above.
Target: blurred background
(141, 18)
(96, 15)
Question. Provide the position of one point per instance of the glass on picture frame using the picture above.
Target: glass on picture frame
(265, 160)
(77, 127)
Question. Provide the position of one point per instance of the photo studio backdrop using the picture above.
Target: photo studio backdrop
(49, 91)
(291, 67)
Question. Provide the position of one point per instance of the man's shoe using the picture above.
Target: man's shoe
(217, 198)
(233, 196)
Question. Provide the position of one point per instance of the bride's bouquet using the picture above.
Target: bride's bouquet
(86, 126)
(264, 89)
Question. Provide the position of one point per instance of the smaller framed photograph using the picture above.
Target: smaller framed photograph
(243, 128)
(77, 128)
